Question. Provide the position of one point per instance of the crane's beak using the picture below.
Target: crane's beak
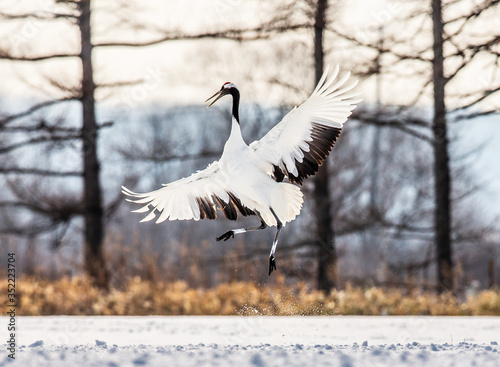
(219, 94)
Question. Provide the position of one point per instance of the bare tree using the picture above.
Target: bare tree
(453, 51)
(79, 12)
(442, 181)
(325, 241)
(95, 263)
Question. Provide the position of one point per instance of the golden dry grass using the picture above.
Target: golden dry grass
(76, 296)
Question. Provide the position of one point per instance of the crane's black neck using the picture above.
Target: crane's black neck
(236, 103)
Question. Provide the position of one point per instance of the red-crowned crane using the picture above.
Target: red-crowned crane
(249, 178)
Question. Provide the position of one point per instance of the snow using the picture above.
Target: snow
(254, 341)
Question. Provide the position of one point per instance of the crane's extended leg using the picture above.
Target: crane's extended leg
(232, 232)
(272, 259)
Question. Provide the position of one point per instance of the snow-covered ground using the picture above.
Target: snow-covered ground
(254, 341)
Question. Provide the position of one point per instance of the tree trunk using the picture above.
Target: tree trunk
(325, 236)
(95, 265)
(442, 215)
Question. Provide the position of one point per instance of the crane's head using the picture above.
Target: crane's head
(227, 88)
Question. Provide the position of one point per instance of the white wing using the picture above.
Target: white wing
(194, 197)
(299, 144)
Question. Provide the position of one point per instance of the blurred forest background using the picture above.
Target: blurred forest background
(99, 94)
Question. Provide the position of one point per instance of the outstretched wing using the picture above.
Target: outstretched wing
(299, 144)
(194, 197)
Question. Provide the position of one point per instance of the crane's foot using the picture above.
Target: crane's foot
(272, 264)
(226, 236)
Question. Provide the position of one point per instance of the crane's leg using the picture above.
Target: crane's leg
(232, 232)
(272, 259)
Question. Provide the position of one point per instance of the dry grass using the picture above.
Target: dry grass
(76, 296)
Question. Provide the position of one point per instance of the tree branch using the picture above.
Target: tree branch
(39, 172)
(5, 56)
(250, 34)
(37, 140)
(43, 127)
(139, 156)
(484, 94)
(11, 204)
(30, 230)
(9, 118)
(120, 84)
(42, 16)
(376, 46)
(474, 115)
(469, 52)
(396, 124)
(474, 14)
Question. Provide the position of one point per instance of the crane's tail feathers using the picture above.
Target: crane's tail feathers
(286, 204)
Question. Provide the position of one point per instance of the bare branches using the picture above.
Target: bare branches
(469, 53)
(44, 15)
(6, 56)
(37, 107)
(474, 14)
(279, 20)
(482, 96)
(473, 115)
(38, 140)
(118, 84)
(239, 35)
(398, 120)
(44, 127)
(67, 89)
(39, 172)
(58, 206)
(30, 229)
(41, 126)
(383, 49)
(139, 155)
(404, 226)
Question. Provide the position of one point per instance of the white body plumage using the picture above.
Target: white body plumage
(245, 173)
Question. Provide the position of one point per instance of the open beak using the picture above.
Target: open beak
(219, 94)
